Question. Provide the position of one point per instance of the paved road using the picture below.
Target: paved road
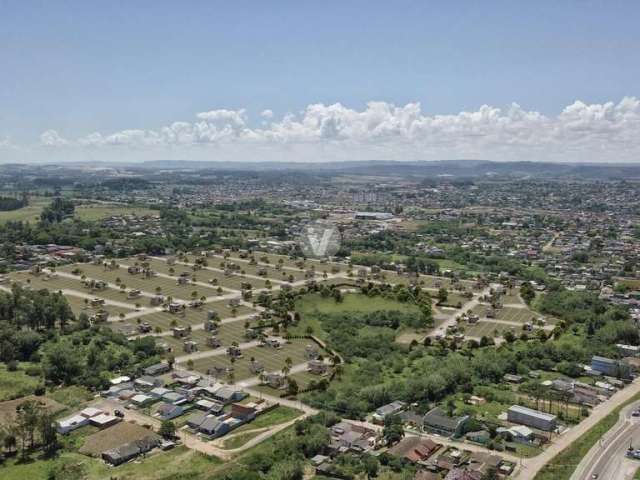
(607, 457)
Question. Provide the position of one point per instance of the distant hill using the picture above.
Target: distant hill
(454, 168)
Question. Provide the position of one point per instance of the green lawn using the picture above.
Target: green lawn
(16, 384)
(238, 440)
(563, 465)
(276, 416)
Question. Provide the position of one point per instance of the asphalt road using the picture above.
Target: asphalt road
(607, 459)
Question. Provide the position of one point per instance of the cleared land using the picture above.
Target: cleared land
(112, 437)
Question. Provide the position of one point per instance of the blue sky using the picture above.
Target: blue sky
(80, 68)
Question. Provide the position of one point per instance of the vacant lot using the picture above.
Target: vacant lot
(100, 211)
(311, 306)
(112, 437)
(30, 213)
(8, 408)
(16, 384)
(489, 329)
(273, 359)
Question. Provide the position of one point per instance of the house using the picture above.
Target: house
(415, 449)
(437, 421)
(214, 342)
(174, 397)
(246, 413)
(129, 451)
(196, 419)
(228, 395)
(274, 380)
(158, 392)
(510, 378)
(78, 420)
(311, 352)
(383, 412)
(210, 406)
(346, 436)
(256, 367)
(180, 332)
(608, 366)
(140, 400)
(147, 382)
(157, 369)
(214, 427)
(168, 411)
(104, 420)
(317, 367)
(189, 346)
(531, 418)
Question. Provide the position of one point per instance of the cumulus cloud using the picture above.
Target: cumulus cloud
(51, 138)
(596, 132)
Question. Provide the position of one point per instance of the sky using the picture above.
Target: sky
(257, 80)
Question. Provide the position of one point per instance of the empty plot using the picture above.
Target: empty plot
(273, 359)
(79, 306)
(489, 329)
(167, 286)
(58, 282)
(508, 314)
(206, 275)
(189, 316)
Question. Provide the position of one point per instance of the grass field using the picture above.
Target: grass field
(100, 211)
(156, 466)
(61, 283)
(30, 213)
(489, 329)
(16, 384)
(206, 274)
(272, 359)
(310, 306)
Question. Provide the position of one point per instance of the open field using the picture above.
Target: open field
(16, 384)
(100, 211)
(156, 466)
(8, 407)
(310, 306)
(489, 329)
(512, 314)
(112, 437)
(30, 213)
(272, 359)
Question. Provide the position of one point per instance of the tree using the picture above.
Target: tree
(443, 294)
(167, 429)
(393, 431)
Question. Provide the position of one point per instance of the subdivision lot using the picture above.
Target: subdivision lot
(167, 286)
(78, 305)
(58, 282)
(270, 272)
(213, 277)
(273, 359)
(227, 334)
(511, 314)
(489, 329)
(115, 436)
(189, 316)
